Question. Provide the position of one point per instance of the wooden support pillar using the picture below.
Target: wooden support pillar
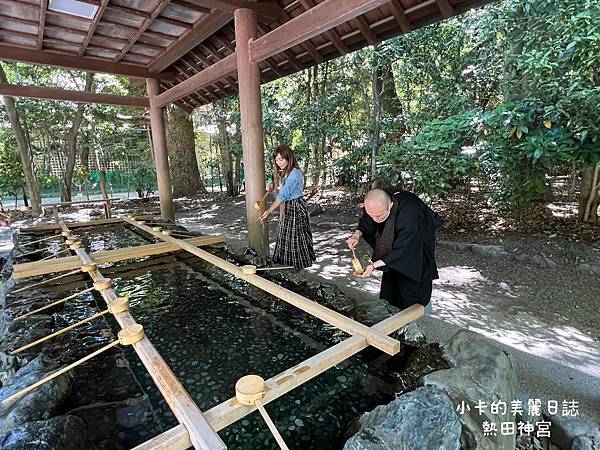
(252, 129)
(161, 158)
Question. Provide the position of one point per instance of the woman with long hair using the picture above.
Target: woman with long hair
(294, 245)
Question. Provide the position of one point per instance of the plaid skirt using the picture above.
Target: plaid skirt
(294, 246)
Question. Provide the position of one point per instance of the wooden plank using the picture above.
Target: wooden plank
(311, 23)
(202, 30)
(269, 10)
(42, 22)
(382, 342)
(365, 30)
(13, 90)
(52, 59)
(93, 27)
(147, 22)
(35, 268)
(91, 223)
(229, 411)
(220, 69)
(177, 438)
(202, 436)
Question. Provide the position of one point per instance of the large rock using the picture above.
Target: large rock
(58, 433)
(483, 373)
(422, 419)
(38, 404)
(574, 432)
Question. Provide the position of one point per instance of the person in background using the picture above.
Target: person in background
(400, 229)
(294, 246)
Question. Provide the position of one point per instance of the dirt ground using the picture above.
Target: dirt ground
(546, 318)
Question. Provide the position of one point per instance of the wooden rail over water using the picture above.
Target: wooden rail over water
(199, 432)
(196, 428)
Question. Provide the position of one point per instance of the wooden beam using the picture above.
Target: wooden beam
(331, 34)
(47, 58)
(64, 264)
(229, 411)
(147, 22)
(365, 30)
(218, 70)
(91, 223)
(202, 30)
(12, 90)
(445, 8)
(93, 27)
(382, 342)
(202, 436)
(269, 10)
(311, 23)
(42, 22)
(400, 16)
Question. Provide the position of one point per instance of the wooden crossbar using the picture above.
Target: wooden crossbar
(229, 411)
(72, 262)
(90, 223)
(376, 339)
(201, 435)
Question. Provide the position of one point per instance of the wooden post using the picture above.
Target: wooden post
(252, 129)
(55, 212)
(161, 158)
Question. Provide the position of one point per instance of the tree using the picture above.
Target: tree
(71, 144)
(24, 150)
(185, 174)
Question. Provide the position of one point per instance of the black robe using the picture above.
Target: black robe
(410, 260)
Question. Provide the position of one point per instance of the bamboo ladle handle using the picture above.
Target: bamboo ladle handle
(271, 425)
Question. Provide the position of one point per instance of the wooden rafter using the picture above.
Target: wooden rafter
(201, 31)
(269, 10)
(147, 22)
(365, 30)
(445, 8)
(331, 34)
(400, 16)
(215, 53)
(93, 27)
(201, 80)
(40, 39)
(47, 58)
(321, 18)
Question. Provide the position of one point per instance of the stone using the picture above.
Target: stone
(314, 209)
(411, 334)
(8, 366)
(57, 433)
(565, 429)
(425, 416)
(38, 404)
(585, 443)
(454, 245)
(480, 372)
(489, 250)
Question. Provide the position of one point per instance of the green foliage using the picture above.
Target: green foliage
(437, 159)
(12, 181)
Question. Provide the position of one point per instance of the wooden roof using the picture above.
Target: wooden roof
(173, 40)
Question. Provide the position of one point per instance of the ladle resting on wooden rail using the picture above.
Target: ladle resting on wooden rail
(249, 269)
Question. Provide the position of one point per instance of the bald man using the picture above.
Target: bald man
(400, 229)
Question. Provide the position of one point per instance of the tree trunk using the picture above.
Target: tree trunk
(588, 200)
(377, 83)
(225, 156)
(185, 174)
(24, 150)
(67, 186)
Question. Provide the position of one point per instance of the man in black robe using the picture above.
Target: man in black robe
(401, 230)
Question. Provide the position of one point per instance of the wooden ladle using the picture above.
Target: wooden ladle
(356, 265)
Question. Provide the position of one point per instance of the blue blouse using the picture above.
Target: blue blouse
(293, 186)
